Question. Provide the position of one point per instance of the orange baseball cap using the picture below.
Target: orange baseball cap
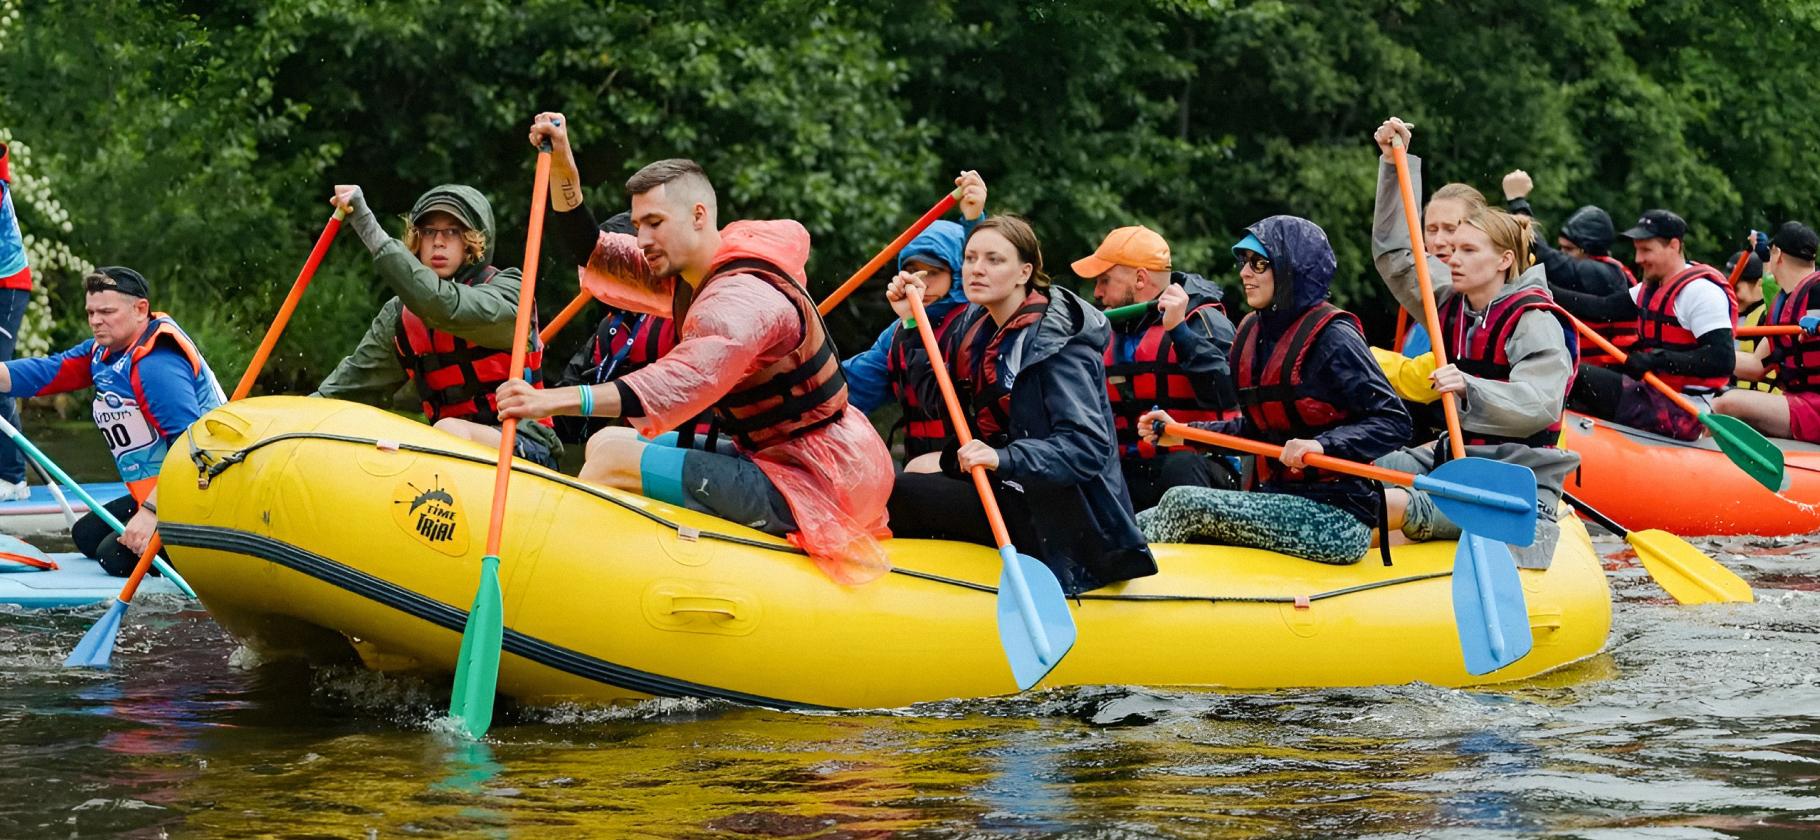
(1136, 246)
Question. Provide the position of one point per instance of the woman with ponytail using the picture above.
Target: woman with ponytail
(1512, 358)
(1027, 362)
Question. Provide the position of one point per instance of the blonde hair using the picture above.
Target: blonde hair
(1507, 232)
(1463, 193)
(473, 242)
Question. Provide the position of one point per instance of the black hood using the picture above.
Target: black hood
(1302, 260)
(1591, 229)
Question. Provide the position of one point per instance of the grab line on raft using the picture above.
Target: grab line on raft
(210, 470)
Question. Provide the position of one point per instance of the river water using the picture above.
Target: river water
(1695, 722)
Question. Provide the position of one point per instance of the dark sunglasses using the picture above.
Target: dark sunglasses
(1258, 263)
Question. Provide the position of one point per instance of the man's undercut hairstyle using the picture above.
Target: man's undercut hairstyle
(688, 182)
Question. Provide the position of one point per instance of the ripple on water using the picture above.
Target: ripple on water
(1696, 722)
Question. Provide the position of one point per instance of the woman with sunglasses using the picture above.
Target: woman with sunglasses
(1306, 381)
(1511, 351)
(449, 327)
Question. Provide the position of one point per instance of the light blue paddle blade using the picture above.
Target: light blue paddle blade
(97, 645)
(1488, 605)
(477, 668)
(1485, 497)
(1034, 623)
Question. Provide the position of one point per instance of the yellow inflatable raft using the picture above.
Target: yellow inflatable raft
(323, 527)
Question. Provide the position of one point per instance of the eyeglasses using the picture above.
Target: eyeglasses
(1256, 262)
(434, 233)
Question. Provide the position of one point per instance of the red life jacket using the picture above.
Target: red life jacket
(975, 362)
(456, 377)
(1659, 329)
(1797, 356)
(1153, 379)
(925, 426)
(797, 394)
(1274, 396)
(1482, 352)
(1622, 334)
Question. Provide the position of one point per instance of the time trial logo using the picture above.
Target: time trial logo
(428, 511)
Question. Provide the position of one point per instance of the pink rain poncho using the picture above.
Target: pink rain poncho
(836, 478)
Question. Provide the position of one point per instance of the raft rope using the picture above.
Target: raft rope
(209, 465)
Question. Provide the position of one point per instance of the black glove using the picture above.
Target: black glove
(1643, 361)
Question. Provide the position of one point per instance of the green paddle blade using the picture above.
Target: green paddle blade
(1749, 449)
(1685, 572)
(477, 669)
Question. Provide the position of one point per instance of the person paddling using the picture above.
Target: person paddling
(1026, 360)
(150, 383)
(448, 329)
(1512, 352)
(881, 374)
(751, 347)
(1795, 360)
(1172, 357)
(1306, 381)
(1685, 316)
(1582, 274)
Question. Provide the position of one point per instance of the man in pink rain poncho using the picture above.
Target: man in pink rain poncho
(751, 347)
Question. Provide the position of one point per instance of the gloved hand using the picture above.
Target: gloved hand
(1643, 361)
(1810, 324)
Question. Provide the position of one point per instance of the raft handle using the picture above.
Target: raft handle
(722, 607)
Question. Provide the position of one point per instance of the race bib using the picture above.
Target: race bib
(129, 435)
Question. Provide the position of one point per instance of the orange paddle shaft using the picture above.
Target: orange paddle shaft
(1430, 314)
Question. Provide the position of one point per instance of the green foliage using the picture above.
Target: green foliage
(198, 141)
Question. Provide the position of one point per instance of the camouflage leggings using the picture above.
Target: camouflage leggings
(1277, 522)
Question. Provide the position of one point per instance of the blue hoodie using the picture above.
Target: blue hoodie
(868, 384)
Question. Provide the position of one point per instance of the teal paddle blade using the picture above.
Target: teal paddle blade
(97, 645)
(477, 669)
(1749, 449)
(1485, 497)
(1034, 623)
(1488, 606)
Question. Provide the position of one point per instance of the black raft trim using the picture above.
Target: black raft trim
(442, 615)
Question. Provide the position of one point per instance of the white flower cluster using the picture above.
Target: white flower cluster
(46, 254)
(9, 19)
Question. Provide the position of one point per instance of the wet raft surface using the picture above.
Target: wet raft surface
(1696, 722)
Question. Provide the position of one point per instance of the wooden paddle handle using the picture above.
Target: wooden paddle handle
(1612, 351)
(563, 318)
(958, 418)
(1271, 450)
(878, 260)
(1431, 314)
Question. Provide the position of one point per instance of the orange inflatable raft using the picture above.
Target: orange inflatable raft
(1645, 480)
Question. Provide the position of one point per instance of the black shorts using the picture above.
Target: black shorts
(722, 483)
